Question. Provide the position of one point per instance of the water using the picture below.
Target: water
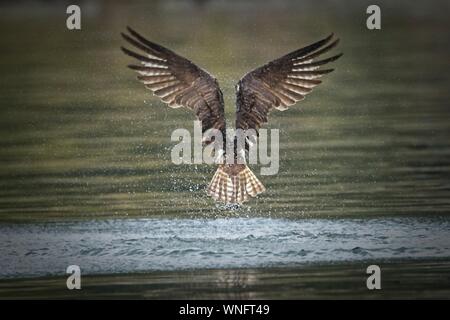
(80, 137)
(139, 245)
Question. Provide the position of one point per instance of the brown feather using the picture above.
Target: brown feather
(234, 184)
(177, 81)
(281, 83)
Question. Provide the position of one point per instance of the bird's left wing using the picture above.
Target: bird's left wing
(177, 81)
(280, 83)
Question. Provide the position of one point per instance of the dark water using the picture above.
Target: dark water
(424, 279)
(131, 245)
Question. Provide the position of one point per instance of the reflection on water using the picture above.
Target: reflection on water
(222, 283)
(80, 137)
(416, 279)
(132, 245)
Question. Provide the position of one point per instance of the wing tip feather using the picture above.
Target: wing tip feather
(125, 50)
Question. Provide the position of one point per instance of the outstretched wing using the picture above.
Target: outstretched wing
(177, 81)
(280, 83)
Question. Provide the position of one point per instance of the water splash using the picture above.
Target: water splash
(131, 245)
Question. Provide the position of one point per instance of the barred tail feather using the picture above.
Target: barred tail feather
(234, 184)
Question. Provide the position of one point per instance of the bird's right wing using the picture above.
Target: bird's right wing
(280, 83)
(177, 81)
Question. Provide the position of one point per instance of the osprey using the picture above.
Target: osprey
(276, 85)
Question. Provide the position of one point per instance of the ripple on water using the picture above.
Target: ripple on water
(131, 245)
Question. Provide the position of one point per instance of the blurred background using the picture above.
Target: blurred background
(80, 137)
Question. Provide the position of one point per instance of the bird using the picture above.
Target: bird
(277, 85)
